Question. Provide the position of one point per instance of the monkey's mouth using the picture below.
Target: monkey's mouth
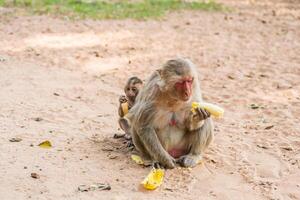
(131, 98)
(186, 97)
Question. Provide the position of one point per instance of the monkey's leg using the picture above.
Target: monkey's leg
(141, 149)
(123, 122)
(154, 147)
(199, 139)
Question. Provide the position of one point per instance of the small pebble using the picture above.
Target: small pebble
(38, 119)
(35, 175)
(15, 140)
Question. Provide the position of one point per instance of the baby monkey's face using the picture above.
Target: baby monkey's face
(132, 90)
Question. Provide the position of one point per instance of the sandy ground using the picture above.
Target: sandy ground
(60, 81)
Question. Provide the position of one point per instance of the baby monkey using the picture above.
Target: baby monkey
(131, 89)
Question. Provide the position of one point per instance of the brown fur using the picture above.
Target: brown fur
(158, 103)
(131, 91)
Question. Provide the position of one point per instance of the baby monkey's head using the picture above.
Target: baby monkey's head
(132, 88)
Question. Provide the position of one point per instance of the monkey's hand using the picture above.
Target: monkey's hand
(196, 118)
(168, 162)
(200, 114)
(122, 99)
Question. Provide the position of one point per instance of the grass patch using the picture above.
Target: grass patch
(97, 9)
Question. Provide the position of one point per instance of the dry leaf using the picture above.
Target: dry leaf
(96, 186)
(112, 156)
(35, 175)
(137, 159)
(269, 127)
(38, 119)
(46, 144)
(107, 149)
(15, 140)
(287, 148)
(254, 106)
(230, 77)
(261, 146)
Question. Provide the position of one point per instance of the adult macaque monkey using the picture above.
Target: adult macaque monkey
(163, 127)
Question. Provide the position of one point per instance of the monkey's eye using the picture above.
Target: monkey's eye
(190, 81)
(134, 89)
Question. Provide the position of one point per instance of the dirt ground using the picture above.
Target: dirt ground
(60, 81)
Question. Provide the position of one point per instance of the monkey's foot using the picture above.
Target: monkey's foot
(189, 160)
(129, 144)
(127, 136)
(157, 165)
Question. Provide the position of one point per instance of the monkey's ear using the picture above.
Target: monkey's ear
(160, 82)
(159, 72)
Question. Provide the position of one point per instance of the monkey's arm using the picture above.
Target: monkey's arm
(201, 138)
(151, 142)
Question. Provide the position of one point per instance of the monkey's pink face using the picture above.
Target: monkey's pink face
(184, 88)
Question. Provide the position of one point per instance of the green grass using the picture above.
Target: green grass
(110, 9)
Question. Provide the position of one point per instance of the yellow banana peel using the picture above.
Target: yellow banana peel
(154, 179)
(214, 110)
(137, 159)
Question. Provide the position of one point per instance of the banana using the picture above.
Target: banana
(214, 110)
